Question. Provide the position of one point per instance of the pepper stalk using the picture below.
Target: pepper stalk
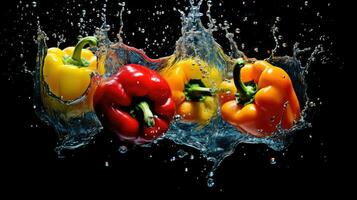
(76, 58)
(148, 115)
(245, 93)
(195, 90)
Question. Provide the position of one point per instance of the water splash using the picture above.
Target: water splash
(120, 33)
(217, 139)
(197, 41)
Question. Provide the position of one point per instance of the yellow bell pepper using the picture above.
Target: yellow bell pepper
(192, 82)
(68, 76)
(68, 72)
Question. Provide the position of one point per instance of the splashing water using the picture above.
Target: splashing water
(218, 139)
(215, 140)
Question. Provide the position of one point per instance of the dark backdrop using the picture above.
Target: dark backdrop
(28, 143)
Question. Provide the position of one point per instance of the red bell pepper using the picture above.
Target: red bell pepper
(135, 103)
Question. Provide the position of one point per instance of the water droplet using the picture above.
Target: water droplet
(123, 149)
(177, 117)
(212, 159)
(243, 45)
(181, 153)
(225, 23)
(192, 157)
(312, 104)
(272, 118)
(210, 182)
(272, 161)
(286, 104)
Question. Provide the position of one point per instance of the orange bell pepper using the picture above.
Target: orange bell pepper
(258, 98)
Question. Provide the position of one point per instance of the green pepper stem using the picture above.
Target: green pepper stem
(148, 116)
(245, 93)
(195, 90)
(77, 52)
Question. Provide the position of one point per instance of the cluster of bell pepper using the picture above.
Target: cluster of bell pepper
(135, 103)
(138, 104)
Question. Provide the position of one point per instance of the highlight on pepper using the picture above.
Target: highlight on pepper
(259, 98)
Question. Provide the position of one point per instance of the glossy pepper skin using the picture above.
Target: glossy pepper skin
(191, 81)
(68, 72)
(258, 98)
(135, 103)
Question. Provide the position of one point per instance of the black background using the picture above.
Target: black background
(28, 143)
